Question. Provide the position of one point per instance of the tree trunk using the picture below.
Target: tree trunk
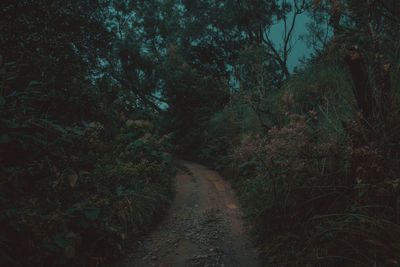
(362, 86)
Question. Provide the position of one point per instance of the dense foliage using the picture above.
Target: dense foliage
(318, 167)
(82, 170)
(96, 95)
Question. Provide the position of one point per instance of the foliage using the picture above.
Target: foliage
(43, 34)
(319, 185)
(94, 93)
(70, 193)
(192, 99)
(83, 171)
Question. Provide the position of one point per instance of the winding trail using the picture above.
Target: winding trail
(204, 227)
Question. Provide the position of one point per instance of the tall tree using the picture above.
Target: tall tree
(369, 31)
(54, 43)
(256, 18)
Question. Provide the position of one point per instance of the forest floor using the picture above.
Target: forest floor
(203, 228)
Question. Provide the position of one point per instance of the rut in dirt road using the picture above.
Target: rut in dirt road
(203, 228)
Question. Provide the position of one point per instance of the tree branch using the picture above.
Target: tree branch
(130, 85)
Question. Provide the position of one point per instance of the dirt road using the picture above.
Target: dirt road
(203, 228)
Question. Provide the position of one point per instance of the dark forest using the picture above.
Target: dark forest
(105, 105)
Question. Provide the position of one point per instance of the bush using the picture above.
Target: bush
(321, 186)
(73, 192)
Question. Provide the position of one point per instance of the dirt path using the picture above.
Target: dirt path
(204, 227)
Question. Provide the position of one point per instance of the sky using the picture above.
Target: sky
(300, 48)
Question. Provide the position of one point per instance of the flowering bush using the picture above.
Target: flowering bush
(306, 190)
(321, 188)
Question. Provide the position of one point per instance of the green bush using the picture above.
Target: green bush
(74, 192)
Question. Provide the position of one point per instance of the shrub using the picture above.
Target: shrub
(321, 189)
(73, 192)
(319, 183)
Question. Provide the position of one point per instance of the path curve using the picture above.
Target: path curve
(204, 227)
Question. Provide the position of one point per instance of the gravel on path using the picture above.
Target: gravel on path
(204, 227)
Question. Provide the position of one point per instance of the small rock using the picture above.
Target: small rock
(154, 258)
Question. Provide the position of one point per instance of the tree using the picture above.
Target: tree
(50, 32)
(255, 19)
(369, 31)
(56, 43)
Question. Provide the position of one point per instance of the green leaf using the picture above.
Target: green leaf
(167, 159)
(46, 217)
(112, 229)
(247, 163)
(120, 190)
(92, 214)
(11, 78)
(138, 143)
(60, 240)
(33, 83)
(60, 128)
(5, 139)
(78, 132)
(128, 147)
(131, 134)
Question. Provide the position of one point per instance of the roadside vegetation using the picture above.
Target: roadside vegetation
(316, 161)
(83, 171)
(96, 97)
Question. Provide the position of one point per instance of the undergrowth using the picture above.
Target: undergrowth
(320, 185)
(75, 192)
